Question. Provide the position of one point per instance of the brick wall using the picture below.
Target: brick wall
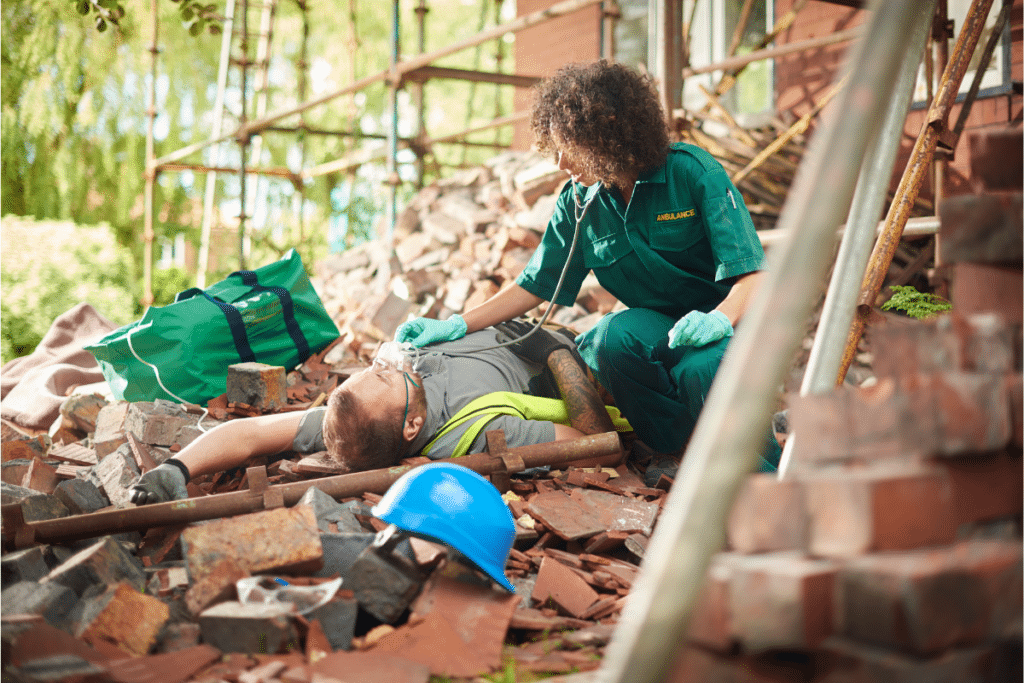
(540, 50)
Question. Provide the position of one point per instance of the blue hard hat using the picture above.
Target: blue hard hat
(454, 505)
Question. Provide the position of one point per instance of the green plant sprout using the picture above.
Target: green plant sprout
(914, 303)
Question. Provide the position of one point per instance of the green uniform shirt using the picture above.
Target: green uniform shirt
(678, 246)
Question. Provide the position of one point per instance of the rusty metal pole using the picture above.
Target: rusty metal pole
(934, 129)
(730, 432)
(261, 496)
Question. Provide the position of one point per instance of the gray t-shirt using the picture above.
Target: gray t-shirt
(453, 375)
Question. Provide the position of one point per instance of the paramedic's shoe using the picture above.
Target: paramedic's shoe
(652, 464)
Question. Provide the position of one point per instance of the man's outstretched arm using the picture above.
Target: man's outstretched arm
(223, 447)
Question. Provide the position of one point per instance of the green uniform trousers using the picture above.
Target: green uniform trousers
(660, 390)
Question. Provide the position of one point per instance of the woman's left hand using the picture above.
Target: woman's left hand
(699, 329)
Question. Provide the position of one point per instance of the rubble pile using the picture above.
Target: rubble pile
(456, 244)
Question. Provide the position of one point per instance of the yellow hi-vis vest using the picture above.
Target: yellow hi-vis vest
(497, 403)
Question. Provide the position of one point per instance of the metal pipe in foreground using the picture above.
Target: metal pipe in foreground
(21, 534)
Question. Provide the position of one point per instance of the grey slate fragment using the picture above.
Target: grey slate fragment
(23, 565)
(105, 562)
(81, 496)
(328, 510)
(51, 601)
(342, 549)
(338, 619)
(237, 627)
(41, 507)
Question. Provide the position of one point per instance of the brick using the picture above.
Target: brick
(769, 514)
(82, 410)
(237, 627)
(51, 601)
(389, 314)
(116, 474)
(169, 667)
(711, 621)
(13, 471)
(863, 663)
(972, 412)
(369, 666)
(43, 640)
(104, 562)
(981, 229)
(693, 664)
(157, 423)
(110, 434)
(73, 453)
(25, 447)
(338, 620)
(40, 477)
(23, 565)
(995, 155)
(983, 288)
(925, 601)
(258, 385)
(217, 584)
(63, 431)
(267, 671)
(282, 539)
(1014, 384)
(560, 585)
(781, 601)
(123, 616)
(984, 488)
(854, 513)
(80, 496)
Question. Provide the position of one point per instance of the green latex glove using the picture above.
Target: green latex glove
(422, 331)
(699, 329)
(161, 484)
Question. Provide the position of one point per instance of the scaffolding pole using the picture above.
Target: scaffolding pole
(730, 432)
(149, 217)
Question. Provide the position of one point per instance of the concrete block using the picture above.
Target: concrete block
(23, 565)
(110, 434)
(282, 540)
(117, 472)
(383, 582)
(341, 551)
(125, 617)
(256, 629)
(258, 385)
(83, 410)
(104, 562)
(781, 601)
(852, 513)
(769, 515)
(157, 423)
(51, 601)
(925, 601)
(40, 477)
(338, 620)
(80, 496)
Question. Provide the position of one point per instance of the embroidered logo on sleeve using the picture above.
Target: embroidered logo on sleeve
(675, 215)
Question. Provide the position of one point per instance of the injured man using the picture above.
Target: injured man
(437, 401)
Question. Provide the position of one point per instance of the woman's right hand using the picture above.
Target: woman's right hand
(422, 331)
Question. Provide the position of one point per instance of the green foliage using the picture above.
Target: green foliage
(167, 282)
(914, 303)
(49, 267)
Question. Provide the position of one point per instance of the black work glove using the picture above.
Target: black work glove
(161, 484)
(537, 347)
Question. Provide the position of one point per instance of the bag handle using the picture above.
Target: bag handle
(251, 279)
(234, 319)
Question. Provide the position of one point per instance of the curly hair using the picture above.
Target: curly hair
(357, 440)
(605, 115)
